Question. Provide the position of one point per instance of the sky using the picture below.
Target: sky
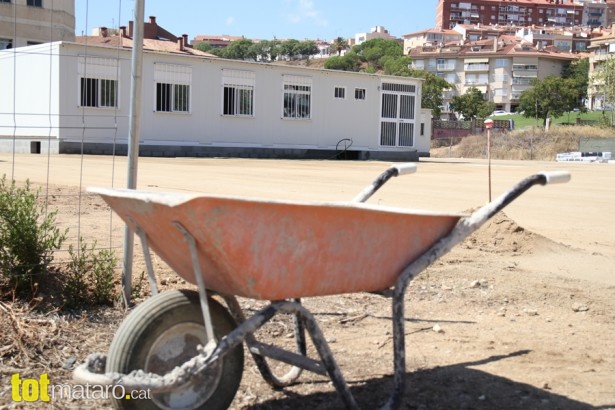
(264, 19)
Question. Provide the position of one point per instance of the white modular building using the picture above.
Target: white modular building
(65, 97)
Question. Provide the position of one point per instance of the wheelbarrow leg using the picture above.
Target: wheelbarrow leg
(322, 347)
(148, 260)
(464, 228)
(261, 363)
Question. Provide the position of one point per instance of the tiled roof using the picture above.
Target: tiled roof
(503, 46)
(164, 46)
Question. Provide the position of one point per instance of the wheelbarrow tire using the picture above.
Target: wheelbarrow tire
(175, 316)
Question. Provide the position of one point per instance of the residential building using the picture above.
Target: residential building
(573, 39)
(603, 49)
(501, 68)
(522, 13)
(29, 22)
(215, 41)
(595, 12)
(430, 37)
(195, 104)
(375, 32)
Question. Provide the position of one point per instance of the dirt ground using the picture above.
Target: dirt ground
(521, 315)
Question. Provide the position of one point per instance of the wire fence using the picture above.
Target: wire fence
(30, 121)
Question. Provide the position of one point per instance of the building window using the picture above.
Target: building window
(96, 92)
(6, 43)
(35, 3)
(5, 1)
(340, 92)
(172, 87)
(297, 97)
(98, 84)
(238, 92)
(359, 93)
(502, 63)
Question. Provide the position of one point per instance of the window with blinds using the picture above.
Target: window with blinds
(172, 87)
(98, 82)
(238, 92)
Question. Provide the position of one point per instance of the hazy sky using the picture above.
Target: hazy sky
(264, 19)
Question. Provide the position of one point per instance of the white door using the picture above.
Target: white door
(397, 115)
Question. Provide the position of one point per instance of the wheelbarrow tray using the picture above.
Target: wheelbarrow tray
(274, 250)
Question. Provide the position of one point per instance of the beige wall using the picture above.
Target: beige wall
(496, 82)
(23, 24)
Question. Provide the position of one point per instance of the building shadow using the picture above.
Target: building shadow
(457, 386)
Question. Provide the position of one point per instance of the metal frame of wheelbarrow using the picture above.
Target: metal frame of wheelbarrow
(304, 320)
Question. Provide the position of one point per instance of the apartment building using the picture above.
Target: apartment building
(501, 68)
(603, 49)
(430, 37)
(375, 32)
(30, 22)
(594, 13)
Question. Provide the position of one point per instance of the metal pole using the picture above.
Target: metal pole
(489, 158)
(134, 130)
(489, 125)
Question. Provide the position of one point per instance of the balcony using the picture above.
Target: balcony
(518, 89)
(527, 71)
(475, 83)
(476, 67)
(445, 67)
(521, 81)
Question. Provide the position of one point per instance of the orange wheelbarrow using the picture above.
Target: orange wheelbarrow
(185, 347)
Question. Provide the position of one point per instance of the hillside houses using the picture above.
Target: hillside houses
(499, 61)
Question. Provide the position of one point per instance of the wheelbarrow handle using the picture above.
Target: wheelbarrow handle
(556, 177)
(392, 171)
(467, 225)
(404, 169)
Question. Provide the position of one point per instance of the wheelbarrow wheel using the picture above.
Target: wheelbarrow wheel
(162, 333)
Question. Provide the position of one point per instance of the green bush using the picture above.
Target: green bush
(89, 276)
(28, 236)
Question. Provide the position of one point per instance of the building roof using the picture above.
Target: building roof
(155, 38)
(166, 46)
(431, 30)
(504, 45)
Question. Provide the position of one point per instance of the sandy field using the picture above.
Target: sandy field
(523, 309)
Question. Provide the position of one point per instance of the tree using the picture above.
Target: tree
(239, 50)
(338, 45)
(472, 104)
(203, 46)
(374, 51)
(578, 71)
(549, 97)
(348, 62)
(266, 50)
(401, 66)
(433, 87)
(290, 48)
(307, 48)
